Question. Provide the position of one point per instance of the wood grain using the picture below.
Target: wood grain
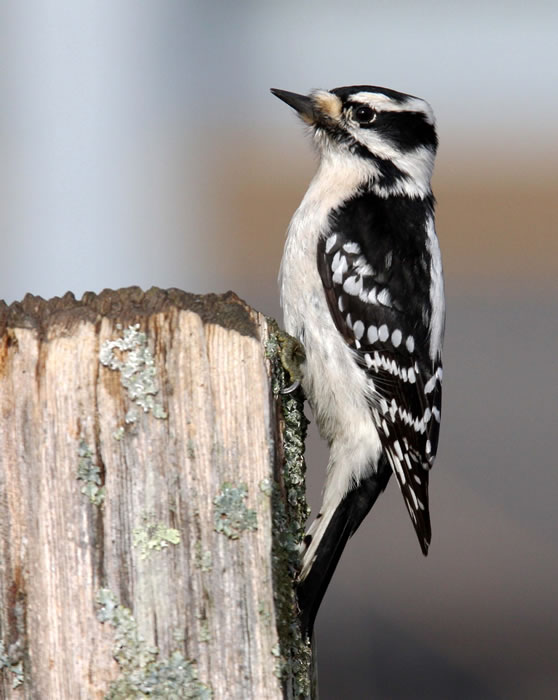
(152, 574)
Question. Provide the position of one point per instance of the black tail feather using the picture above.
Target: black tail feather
(345, 521)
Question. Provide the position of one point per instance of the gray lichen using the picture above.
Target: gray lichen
(10, 661)
(294, 652)
(138, 375)
(204, 634)
(90, 473)
(142, 673)
(266, 487)
(203, 558)
(231, 516)
(153, 536)
(191, 449)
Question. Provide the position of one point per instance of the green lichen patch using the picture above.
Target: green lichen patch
(90, 473)
(231, 516)
(142, 673)
(10, 662)
(131, 356)
(153, 536)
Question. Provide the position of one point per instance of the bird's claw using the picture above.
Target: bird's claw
(292, 355)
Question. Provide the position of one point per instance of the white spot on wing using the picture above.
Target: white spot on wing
(396, 337)
(358, 329)
(413, 496)
(384, 297)
(430, 384)
(410, 343)
(396, 464)
(338, 267)
(363, 268)
(353, 285)
(352, 248)
(372, 334)
(330, 242)
(383, 333)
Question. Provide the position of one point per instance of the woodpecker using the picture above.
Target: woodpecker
(362, 290)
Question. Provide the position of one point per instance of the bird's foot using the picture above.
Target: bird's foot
(292, 355)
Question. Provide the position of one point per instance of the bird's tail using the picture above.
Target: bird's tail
(326, 540)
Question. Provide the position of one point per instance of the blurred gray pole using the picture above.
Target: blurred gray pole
(97, 151)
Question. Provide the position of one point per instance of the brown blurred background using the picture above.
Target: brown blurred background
(141, 146)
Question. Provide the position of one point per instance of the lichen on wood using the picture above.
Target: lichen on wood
(232, 517)
(143, 517)
(143, 673)
(290, 512)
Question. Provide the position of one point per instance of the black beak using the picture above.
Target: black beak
(301, 103)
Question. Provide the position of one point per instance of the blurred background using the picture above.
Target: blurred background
(140, 145)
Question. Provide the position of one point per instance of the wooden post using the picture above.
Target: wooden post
(151, 501)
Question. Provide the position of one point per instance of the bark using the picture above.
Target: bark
(151, 501)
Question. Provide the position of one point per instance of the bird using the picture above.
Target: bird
(362, 291)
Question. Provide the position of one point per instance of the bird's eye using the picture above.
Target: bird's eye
(364, 114)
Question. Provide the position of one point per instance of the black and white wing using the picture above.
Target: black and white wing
(380, 302)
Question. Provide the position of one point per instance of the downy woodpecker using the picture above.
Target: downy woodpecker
(362, 291)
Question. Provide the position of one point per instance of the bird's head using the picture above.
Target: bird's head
(387, 134)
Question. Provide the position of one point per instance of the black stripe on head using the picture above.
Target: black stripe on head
(406, 130)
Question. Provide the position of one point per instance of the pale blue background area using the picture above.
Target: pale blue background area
(109, 113)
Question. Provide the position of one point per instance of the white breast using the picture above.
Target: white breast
(334, 384)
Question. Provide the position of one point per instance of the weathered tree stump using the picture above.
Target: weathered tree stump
(151, 501)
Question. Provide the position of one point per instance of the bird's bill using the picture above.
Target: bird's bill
(301, 103)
